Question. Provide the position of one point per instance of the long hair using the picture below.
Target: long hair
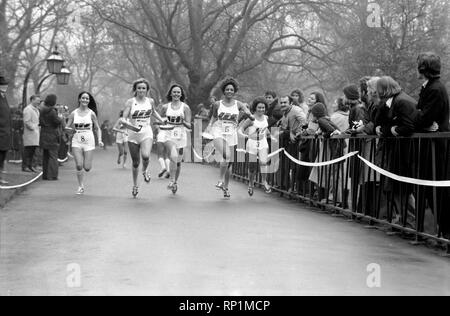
(301, 98)
(92, 103)
(387, 88)
(169, 93)
(319, 98)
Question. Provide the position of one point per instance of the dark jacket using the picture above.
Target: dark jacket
(434, 106)
(274, 113)
(373, 112)
(358, 113)
(50, 128)
(5, 124)
(403, 114)
(327, 126)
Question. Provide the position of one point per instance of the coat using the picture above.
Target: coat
(50, 128)
(31, 131)
(433, 106)
(5, 124)
(403, 114)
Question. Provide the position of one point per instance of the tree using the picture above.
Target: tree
(198, 43)
(26, 25)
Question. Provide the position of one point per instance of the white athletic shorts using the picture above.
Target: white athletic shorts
(84, 140)
(140, 137)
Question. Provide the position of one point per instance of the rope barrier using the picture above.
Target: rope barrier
(427, 183)
(320, 164)
(21, 185)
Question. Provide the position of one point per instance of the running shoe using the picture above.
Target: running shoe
(162, 173)
(135, 191)
(226, 193)
(267, 188)
(147, 177)
(251, 191)
(220, 186)
(167, 175)
(3, 182)
(80, 191)
(173, 186)
(119, 160)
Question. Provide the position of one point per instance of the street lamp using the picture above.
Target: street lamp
(55, 62)
(63, 76)
(55, 66)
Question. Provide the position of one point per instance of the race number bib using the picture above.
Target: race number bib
(177, 133)
(82, 138)
(228, 129)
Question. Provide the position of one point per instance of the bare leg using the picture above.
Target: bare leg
(146, 149)
(135, 152)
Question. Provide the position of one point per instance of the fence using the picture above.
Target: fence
(380, 180)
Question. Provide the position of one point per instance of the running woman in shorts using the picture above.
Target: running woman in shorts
(121, 141)
(83, 121)
(224, 128)
(138, 112)
(163, 155)
(257, 144)
(174, 133)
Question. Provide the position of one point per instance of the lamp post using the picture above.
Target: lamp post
(55, 66)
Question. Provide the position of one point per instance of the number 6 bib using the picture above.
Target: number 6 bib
(228, 129)
(177, 133)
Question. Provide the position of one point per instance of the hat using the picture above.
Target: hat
(3, 81)
(50, 100)
(319, 110)
(351, 92)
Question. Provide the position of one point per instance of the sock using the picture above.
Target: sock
(162, 163)
(168, 164)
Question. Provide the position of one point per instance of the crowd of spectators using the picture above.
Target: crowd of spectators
(380, 108)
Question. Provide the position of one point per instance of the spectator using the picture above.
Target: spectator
(106, 134)
(398, 121)
(373, 105)
(330, 149)
(31, 133)
(308, 150)
(341, 115)
(402, 112)
(433, 116)
(5, 127)
(299, 100)
(50, 137)
(364, 89)
(64, 147)
(291, 126)
(358, 117)
(433, 102)
(274, 110)
(293, 120)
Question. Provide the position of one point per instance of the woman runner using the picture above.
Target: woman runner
(174, 133)
(224, 128)
(138, 112)
(83, 121)
(121, 141)
(163, 155)
(257, 144)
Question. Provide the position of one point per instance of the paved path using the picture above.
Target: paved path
(195, 243)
